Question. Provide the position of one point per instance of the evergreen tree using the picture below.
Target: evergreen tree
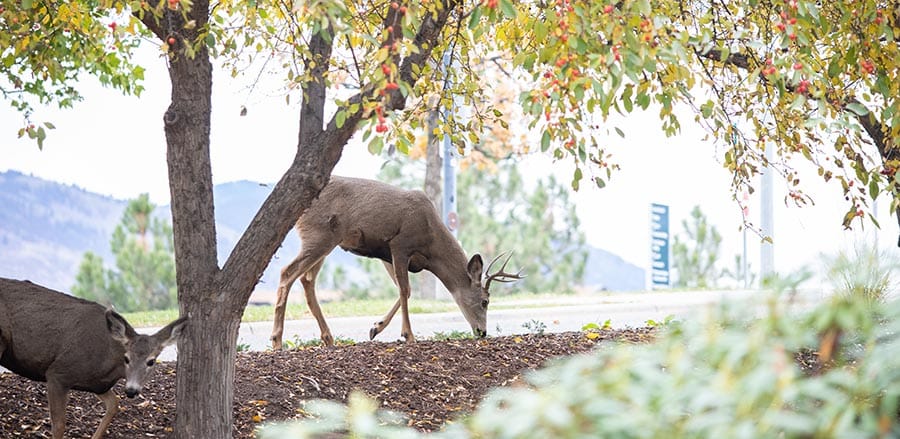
(144, 277)
(694, 257)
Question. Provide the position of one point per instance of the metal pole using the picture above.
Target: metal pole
(745, 213)
(451, 219)
(767, 218)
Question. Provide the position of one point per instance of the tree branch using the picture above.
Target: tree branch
(312, 110)
(870, 124)
(425, 41)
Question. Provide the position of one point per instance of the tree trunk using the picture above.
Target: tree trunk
(427, 287)
(215, 299)
(204, 380)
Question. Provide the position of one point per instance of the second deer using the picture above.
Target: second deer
(74, 344)
(403, 229)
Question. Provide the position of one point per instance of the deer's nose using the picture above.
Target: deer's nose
(131, 393)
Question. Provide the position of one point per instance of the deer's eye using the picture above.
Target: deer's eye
(151, 362)
(127, 360)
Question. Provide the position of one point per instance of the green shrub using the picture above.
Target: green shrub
(728, 376)
(867, 272)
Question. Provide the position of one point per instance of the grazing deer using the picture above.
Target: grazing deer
(74, 344)
(400, 227)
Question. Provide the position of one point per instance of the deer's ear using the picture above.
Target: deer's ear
(172, 331)
(117, 326)
(475, 267)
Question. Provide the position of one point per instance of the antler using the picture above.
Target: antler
(501, 275)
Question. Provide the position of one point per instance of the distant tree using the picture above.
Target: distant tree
(499, 213)
(739, 274)
(144, 277)
(694, 256)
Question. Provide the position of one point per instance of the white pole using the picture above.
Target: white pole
(451, 219)
(767, 218)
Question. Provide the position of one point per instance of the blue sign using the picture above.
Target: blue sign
(659, 245)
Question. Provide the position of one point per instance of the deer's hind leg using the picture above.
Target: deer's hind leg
(311, 253)
(386, 320)
(401, 271)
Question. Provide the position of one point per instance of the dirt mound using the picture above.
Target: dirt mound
(430, 381)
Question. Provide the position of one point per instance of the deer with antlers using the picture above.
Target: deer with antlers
(403, 229)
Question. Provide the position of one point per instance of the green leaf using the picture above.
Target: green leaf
(576, 179)
(619, 132)
(858, 108)
(340, 118)
(376, 145)
(545, 141)
(508, 8)
(706, 109)
(27, 4)
(475, 18)
(873, 188)
(540, 30)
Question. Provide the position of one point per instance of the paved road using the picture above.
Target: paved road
(566, 314)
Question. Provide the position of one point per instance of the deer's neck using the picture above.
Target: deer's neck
(449, 265)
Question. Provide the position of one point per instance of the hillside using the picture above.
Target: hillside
(45, 228)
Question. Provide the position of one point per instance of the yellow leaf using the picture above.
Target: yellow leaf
(487, 374)
(592, 335)
(518, 339)
(256, 418)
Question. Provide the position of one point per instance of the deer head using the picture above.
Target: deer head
(474, 300)
(140, 350)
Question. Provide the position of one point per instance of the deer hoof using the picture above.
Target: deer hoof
(408, 337)
(328, 340)
(276, 343)
(373, 332)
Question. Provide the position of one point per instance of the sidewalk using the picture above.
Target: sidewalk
(568, 313)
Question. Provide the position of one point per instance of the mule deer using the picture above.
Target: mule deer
(402, 228)
(74, 344)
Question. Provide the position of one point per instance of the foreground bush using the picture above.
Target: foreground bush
(833, 372)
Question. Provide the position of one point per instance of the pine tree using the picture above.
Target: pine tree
(144, 277)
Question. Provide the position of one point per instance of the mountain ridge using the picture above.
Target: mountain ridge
(45, 228)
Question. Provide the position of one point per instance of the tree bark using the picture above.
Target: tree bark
(215, 299)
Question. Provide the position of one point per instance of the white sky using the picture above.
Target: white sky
(115, 145)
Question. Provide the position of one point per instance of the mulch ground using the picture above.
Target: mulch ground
(430, 381)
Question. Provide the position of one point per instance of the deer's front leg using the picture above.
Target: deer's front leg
(303, 262)
(309, 287)
(401, 271)
(58, 398)
(111, 403)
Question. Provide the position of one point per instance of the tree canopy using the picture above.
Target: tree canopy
(815, 82)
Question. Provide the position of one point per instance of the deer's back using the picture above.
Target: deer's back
(47, 332)
(365, 216)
